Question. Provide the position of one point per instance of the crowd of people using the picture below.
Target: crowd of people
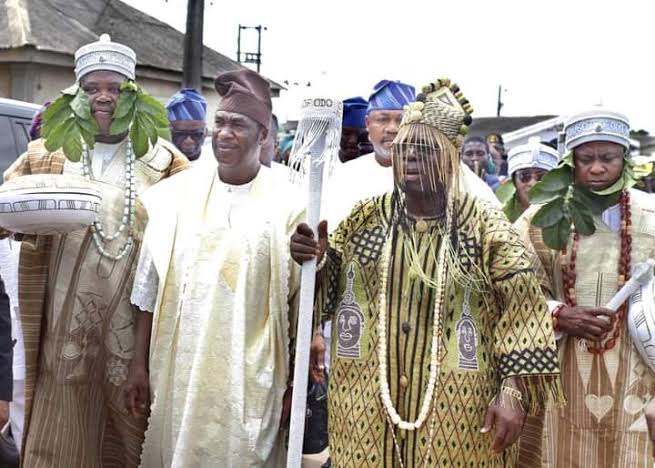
(459, 317)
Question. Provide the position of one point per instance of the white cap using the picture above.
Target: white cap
(532, 155)
(597, 125)
(105, 55)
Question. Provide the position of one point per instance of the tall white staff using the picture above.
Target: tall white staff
(316, 145)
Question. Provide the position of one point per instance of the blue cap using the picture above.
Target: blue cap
(354, 112)
(187, 104)
(391, 95)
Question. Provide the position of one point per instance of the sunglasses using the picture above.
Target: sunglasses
(527, 176)
(197, 135)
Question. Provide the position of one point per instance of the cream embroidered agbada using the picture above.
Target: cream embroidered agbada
(221, 288)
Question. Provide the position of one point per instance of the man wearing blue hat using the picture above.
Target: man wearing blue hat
(370, 175)
(354, 123)
(187, 111)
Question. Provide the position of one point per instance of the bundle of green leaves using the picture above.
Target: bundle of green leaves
(68, 121)
(506, 193)
(567, 206)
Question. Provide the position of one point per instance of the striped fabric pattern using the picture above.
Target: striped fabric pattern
(35, 258)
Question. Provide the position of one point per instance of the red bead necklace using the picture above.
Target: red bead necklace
(569, 275)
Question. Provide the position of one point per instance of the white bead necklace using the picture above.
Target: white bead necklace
(100, 238)
(435, 350)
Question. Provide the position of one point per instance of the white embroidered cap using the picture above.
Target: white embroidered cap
(532, 154)
(597, 125)
(105, 55)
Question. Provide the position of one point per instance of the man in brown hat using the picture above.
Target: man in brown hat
(214, 282)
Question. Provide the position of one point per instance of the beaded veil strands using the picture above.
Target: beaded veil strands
(100, 238)
(569, 274)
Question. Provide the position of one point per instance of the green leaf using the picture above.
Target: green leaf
(539, 194)
(73, 145)
(80, 106)
(549, 214)
(121, 125)
(506, 191)
(164, 132)
(582, 218)
(59, 135)
(90, 126)
(557, 236)
(587, 199)
(513, 209)
(154, 109)
(148, 126)
(71, 90)
(125, 104)
(88, 137)
(139, 139)
(56, 113)
(556, 180)
(129, 85)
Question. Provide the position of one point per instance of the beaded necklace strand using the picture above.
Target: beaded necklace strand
(569, 274)
(100, 238)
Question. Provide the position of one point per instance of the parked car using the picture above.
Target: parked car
(15, 120)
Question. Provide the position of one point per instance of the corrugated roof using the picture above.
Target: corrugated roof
(63, 26)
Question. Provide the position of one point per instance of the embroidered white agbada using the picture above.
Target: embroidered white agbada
(364, 178)
(219, 353)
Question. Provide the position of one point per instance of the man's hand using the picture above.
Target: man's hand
(649, 411)
(508, 419)
(317, 359)
(590, 323)
(137, 391)
(4, 413)
(304, 247)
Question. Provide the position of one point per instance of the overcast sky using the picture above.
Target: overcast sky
(551, 57)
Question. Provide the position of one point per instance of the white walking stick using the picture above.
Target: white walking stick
(316, 144)
(642, 273)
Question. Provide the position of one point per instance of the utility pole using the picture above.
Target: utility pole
(499, 106)
(251, 57)
(193, 45)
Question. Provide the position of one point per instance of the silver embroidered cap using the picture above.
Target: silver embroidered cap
(532, 154)
(105, 55)
(597, 125)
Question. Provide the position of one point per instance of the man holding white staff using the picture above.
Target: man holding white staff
(589, 232)
(442, 339)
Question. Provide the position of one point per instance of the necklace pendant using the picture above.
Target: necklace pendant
(421, 226)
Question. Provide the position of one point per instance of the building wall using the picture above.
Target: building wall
(38, 83)
(163, 90)
(33, 82)
(5, 81)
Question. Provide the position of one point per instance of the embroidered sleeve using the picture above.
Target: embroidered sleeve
(524, 343)
(541, 257)
(146, 283)
(328, 277)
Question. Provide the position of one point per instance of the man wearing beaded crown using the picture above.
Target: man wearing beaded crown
(442, 340)
(582, 262)
(77, 320)
(371, 175)
(215, 280)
